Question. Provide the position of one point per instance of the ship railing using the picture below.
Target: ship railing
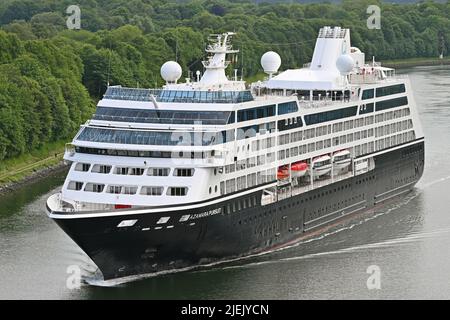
(324, 101)
(133, 94)
(363, 78)
(317, 100)
(87, 206)
(56, 204)
(373, 78)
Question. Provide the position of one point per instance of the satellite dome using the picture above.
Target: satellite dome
(271, 62)
(171, 71)
(345, 64)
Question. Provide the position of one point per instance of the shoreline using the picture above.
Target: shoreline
(415, 62)
(35, 176)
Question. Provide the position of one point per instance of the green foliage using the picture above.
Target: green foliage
(51, 77)
(42, 98)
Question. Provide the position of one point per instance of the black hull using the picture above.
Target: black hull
(126, 251)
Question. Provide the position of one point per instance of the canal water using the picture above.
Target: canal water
(404, 244)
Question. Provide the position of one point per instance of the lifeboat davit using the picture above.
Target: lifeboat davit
(321, 165)
(283, 173)
(299, 169)
(341, 160)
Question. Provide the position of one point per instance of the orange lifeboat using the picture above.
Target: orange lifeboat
(283, 173)
(299, 169)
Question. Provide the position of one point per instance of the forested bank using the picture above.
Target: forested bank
(51, 77)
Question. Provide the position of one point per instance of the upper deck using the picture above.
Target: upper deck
(198, 140)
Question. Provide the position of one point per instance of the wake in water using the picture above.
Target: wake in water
(429, 184)
(376, 245)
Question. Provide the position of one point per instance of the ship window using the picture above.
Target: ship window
(182, 172)
(261, 160)
(256, 113)
(137, 171)
(368, 94)
(231, 118)
(129, 190)
(164, 116)
(288, 107)
(177, 191)
(94, 187)
(385, 91)
(247, 132)
(391, 103)
(204, 96)
(75, 185)
(152, 191)
(82, 167)
(162, 172)
(101, 169)
(315, 118)
(366, 108)
(121, 170)
(114, 189)
(290, 123)
(107, 135)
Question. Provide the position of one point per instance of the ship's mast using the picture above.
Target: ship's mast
(216, 63)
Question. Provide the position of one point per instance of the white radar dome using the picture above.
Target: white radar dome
(271, 62)
(345, 64)
(171, 71)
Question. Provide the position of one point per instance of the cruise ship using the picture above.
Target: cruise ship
(210, 169)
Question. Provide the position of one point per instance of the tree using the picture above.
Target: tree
(21, 29)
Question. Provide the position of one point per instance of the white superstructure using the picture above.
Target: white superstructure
(196, 141)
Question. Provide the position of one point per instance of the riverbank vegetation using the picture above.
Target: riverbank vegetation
(17, 168)
(51, 77)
